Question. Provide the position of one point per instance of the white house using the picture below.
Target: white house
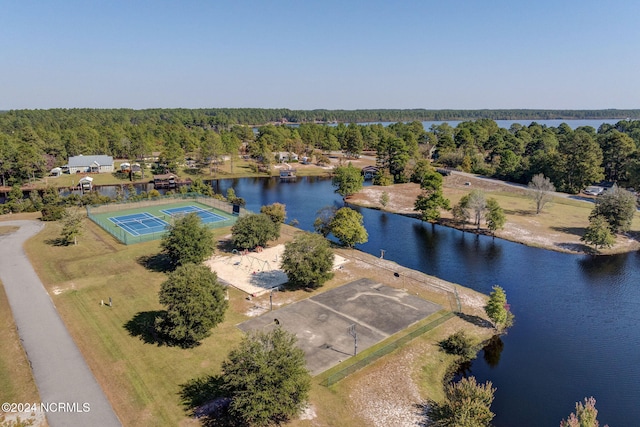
(94, 164)
(56, 171)
(284, 156)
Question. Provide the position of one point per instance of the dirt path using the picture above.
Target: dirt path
(63, 378)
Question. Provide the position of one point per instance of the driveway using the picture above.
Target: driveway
(64, 380)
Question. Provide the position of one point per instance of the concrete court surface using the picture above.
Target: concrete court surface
(60, 372)
(321, 323)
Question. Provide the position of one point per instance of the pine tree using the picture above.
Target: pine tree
(497, 309)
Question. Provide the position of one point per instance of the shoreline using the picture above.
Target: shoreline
(560, 235)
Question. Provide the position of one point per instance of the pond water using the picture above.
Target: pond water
(577, 326)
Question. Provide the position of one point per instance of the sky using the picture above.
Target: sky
(304, 54)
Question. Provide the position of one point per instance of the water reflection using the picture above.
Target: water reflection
(595, 267)
(492, 351)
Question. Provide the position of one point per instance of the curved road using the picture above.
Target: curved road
(61, 374)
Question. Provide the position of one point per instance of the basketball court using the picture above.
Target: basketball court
(328, 324)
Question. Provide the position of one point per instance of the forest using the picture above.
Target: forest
(32, 142)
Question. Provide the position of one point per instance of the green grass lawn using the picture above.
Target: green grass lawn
(16, 379)
(142, 378)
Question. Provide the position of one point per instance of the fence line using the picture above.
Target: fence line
(404, 273)
(129, 239)
(383, 351)
(196, 197)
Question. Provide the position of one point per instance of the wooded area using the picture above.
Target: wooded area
(32, 142)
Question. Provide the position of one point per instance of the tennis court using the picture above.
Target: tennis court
(206, 214)
(142, 221)
(139, 223)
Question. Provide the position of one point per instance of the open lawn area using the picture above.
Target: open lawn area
(17, 383)
(144, 378)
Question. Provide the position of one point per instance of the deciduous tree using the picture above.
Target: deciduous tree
(254, 230)
(347, 180)
(266, 379)
(617, 206)
(195, 303)
(540, 189)
(347, 226)
(307, 261)
(322, 224)
(276, 211)
(187, 241)
(477, 205)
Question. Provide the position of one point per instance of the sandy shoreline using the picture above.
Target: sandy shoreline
(542, 231)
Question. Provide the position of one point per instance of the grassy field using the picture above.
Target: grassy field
(17, 383)
(144, 379)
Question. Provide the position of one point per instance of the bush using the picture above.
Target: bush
(466, 403)
(459, 344)
(52, 212)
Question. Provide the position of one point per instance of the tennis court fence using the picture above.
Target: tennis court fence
(128, 239)
(156, 201)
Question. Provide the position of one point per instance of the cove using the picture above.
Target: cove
(577, 329)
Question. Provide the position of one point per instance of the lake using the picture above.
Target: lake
(577, 317)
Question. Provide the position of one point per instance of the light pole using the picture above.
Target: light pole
(352, 331)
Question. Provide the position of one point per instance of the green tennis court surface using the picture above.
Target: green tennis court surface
(149, 219)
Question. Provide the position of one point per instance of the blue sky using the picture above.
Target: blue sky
(459, 54)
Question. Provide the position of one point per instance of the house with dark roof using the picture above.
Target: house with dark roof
(90, 164)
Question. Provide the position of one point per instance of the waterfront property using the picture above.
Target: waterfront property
(90, 164)
(369, 172)
(167, 180)
(287, 174)
(85, 183)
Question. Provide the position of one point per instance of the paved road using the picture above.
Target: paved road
(60, 372)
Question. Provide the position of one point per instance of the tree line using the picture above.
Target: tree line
(34, 141)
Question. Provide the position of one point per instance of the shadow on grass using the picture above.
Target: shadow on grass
(203, 398)
(58, 241)
(475, 320)
(148, 325)
(193, 171)
(143, 326)
(520, 212)
(158, 263)
(576, 231)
